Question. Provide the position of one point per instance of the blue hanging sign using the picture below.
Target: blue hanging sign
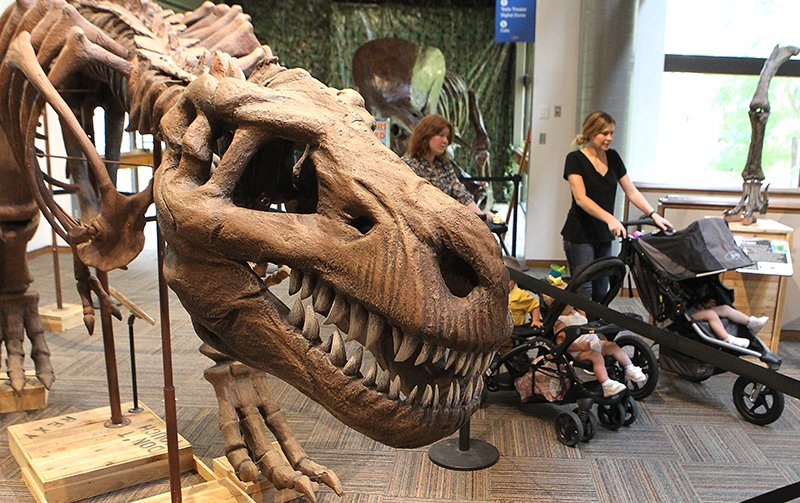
(514, 20)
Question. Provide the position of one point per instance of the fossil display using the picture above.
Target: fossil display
(396, 265)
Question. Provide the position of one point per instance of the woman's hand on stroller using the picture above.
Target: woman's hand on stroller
(661, 222)
(616, 227)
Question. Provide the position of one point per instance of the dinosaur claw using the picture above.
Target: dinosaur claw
(331, 480)
(88, 322)
(46, 378)
(303, 485)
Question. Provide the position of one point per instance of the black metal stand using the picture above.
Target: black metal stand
(134, 386)
(463, 453)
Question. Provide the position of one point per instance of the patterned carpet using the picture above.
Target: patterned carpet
(688, 443)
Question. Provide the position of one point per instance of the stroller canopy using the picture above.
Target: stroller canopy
(704, 247)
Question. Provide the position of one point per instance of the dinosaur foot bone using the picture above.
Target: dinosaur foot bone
(19, 315)
(246, 406)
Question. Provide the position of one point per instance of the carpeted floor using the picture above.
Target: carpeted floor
(688, 443)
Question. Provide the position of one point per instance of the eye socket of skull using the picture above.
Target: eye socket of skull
(269, 179)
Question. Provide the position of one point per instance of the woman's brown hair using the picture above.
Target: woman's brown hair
(593, 124)
(428, 127)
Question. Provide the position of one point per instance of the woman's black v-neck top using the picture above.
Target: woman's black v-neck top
(580, 226)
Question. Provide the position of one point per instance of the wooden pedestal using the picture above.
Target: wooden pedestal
(761, 294)
(216, 491)
(59, 320)
(75, 456)
(33, 397)
(261, 491)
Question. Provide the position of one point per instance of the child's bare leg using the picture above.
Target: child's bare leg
(712, 318)
(736, 316)
(598, 364)
(611, 349)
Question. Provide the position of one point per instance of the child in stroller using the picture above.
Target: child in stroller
(712, 313)
(549, 374)
(594, 348)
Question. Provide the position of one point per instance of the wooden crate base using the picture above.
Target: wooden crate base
(59, 320)
(261, 491)
(33, 396)
(217, 491)
(75, 456)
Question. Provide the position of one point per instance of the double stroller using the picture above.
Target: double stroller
(539, 364)
(673, 273)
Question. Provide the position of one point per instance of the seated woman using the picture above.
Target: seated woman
(426, 156)
(711, 313)
(594, 348)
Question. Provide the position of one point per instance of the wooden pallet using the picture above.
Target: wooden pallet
(217, 491)
(59, 320)
(75, 456)
(33, 396)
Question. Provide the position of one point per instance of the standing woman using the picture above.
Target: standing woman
(593, 171)
(425, 156)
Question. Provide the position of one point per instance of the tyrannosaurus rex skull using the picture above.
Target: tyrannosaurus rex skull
(392, 261)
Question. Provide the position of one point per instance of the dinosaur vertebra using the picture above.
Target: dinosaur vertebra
(394, 263)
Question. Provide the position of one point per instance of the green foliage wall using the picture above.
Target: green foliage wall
(322, 36)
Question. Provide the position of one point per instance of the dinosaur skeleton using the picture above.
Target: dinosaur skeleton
(388, 259)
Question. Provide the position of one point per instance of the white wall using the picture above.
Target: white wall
(555, 83)
(556, 79)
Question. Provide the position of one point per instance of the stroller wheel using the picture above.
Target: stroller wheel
(631, 411)
(642, 355)
(590, 424)
(569, 429)
(757, 403)
(611, 416)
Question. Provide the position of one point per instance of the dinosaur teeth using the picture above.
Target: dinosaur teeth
(407, 348)
(463, 361)
(427, 396)
(295, 280)
(369, 377)
(435, 396)
(354, 363)
(382, 384)
(411, 396)
(397, 339)
(323, 297)
(338, 355)
(310, 325)
(358, 322)
(394, 388)
(423, 353)
(453, 394)
(307, 287)
(438, 354)
(326, 345)
(339, 313)
(469, 390)
(375, 325)
(451, 358)
(297, 314)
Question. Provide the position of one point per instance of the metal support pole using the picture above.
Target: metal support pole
(517, 178)
(170, 412)
(134, 385)
(110, 355)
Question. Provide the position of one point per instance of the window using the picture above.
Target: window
(704, 128)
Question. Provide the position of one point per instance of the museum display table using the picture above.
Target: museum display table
(760, 290)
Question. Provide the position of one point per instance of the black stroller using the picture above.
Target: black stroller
(536, 356)
(674, 272)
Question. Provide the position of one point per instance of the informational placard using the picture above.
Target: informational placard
(382, 131)
(771, 256)
(514, 21)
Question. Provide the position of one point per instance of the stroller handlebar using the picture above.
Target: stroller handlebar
(645, 221)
